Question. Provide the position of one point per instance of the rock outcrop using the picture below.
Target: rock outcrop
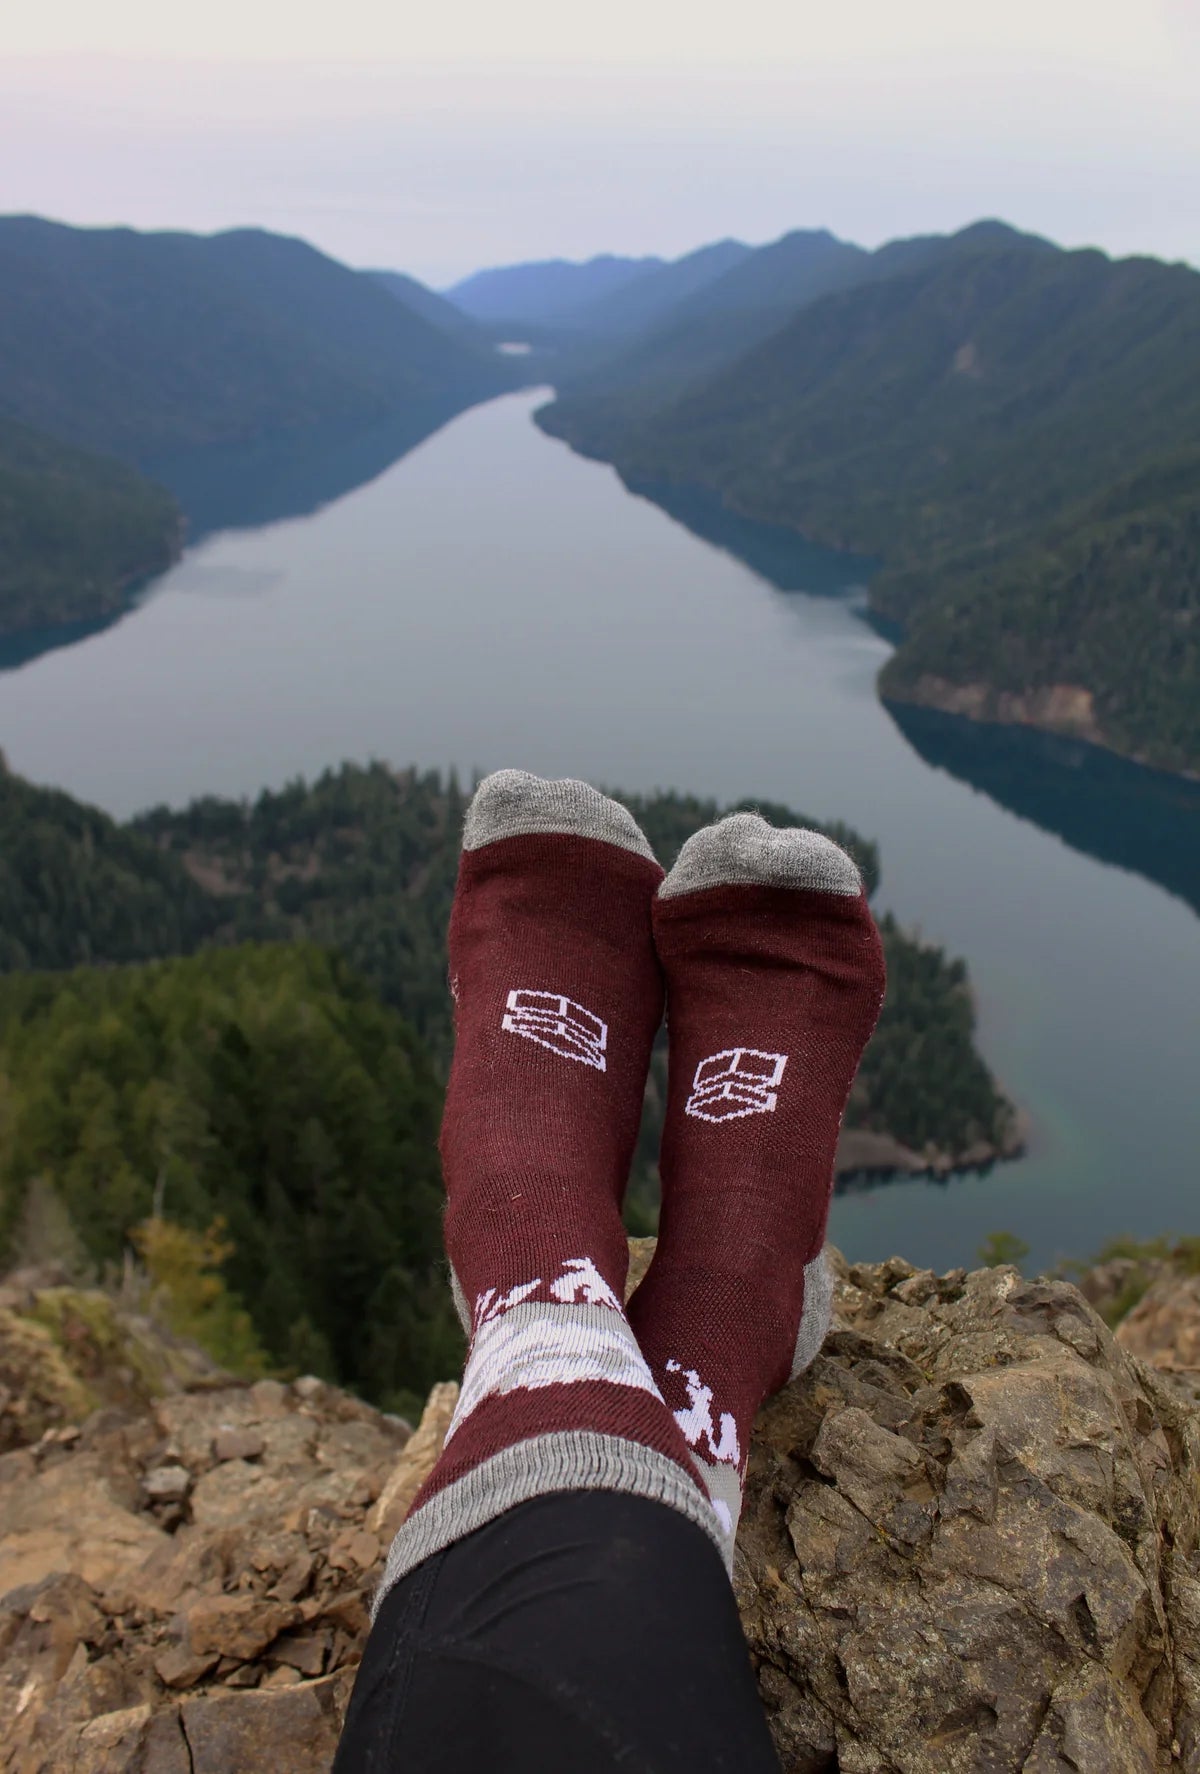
(970, 1543)
(1164, 1329)
(185, 1562)
(970, 1539)
(67, 1350)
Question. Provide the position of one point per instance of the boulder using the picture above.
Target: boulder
(415, 1464)
(970, 1539)
(1164, 1328)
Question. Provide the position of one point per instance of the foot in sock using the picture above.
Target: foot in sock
(558, 994)
(775, 979)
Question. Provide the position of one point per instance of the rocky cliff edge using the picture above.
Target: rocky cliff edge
(970, 1541)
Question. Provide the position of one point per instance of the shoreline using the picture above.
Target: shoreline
(1061, 710)
(863, 1155)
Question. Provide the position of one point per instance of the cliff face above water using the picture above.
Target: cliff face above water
(970, 1543)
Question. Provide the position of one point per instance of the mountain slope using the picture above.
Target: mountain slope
(637, 304)
(602, 391)
(1012, 430)
(77, 887)
(545, 290)
(141, 344)
(77, 531)
(430, 306)
(265, 1085)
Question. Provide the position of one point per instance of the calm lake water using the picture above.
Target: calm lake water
(491, 599)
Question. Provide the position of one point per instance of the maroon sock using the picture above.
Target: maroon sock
(775, 979)
(558, 995)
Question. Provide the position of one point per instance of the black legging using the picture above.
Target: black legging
(576, 1634)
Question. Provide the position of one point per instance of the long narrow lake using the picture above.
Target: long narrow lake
(492, 599)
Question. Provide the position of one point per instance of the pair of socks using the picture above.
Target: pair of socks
(564, 939)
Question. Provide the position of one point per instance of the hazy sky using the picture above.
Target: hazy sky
(438, 138)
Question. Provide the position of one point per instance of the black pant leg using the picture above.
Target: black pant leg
(577, 1634)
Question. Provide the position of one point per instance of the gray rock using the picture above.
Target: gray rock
(294, 1728)
(238, 1444)
(970, 1539)
(167, 1484)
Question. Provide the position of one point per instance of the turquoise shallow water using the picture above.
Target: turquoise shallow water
(492, 599)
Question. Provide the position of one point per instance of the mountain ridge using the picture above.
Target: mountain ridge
(1009, 428)
(544, 290)
(134, 344)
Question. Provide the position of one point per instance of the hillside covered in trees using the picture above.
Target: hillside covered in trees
(77, 531)
(268, 1090)
(237, 1013)
(125, 355)
(142, 344)
(1010, 429)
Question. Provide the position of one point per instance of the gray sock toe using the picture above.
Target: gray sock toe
(514, 804)
(745, 850)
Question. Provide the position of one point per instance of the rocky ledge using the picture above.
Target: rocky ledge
(970, 1543)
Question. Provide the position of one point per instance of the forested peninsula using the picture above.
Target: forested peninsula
(1009, 429)
(78, 532)
(237, 1013)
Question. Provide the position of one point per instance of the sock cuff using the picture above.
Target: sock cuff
(568, 1460)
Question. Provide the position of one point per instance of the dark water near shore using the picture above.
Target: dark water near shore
(491, 599)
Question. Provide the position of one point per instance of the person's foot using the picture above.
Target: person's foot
(558, 995)
(775, 979)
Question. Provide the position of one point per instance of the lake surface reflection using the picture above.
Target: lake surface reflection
(490, 599)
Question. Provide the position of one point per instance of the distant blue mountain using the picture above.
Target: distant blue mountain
(551, 290)
(420, 299)
(640, 302)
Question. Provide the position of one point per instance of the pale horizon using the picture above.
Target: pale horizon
(446, 144)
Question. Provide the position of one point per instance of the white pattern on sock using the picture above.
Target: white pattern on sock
(522, 1345)
(723, 1514)
(488, 1306)
(583, 1277)
(697, 1421)
(735, 1082)
(557, 1022)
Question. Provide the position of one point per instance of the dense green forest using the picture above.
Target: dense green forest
(1010, 429)
(76, 887)
(363, 861)
(139, 345)
(269, 1087)
(77, 532)
(286, 1074)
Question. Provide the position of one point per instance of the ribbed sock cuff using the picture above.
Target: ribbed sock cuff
(571, 1460)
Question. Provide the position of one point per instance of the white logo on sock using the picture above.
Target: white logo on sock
(697, 1421)
(558, 1023)
(737, 1081)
